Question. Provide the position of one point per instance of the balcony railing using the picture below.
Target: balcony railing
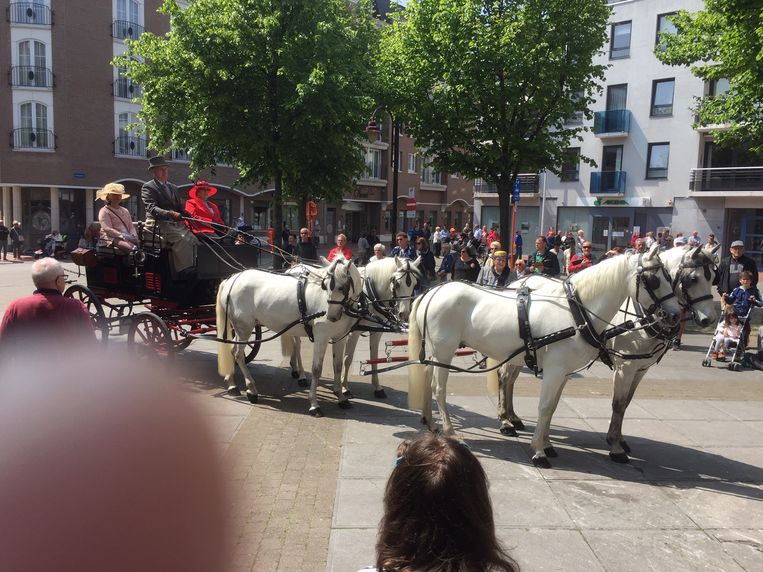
(30, 138)
(724, 179)
(125, 30)
(615, 122)
(431, 177)
(528, 184)
(31, 76)
(126, 89)
(180, 155)
(29, 13)
(130, 145)
(607, 182)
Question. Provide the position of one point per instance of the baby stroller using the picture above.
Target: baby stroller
(737, 358)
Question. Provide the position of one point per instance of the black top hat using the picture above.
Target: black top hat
(157, 161)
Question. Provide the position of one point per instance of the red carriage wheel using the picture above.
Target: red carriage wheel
(94, 308)
(149, 337)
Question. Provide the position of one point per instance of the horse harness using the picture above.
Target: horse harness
(685, 282)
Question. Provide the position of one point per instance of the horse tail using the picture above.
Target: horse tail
(492, 376)
(287, 346)
(225, 364)
(416, 373)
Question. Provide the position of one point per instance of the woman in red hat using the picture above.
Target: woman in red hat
(202, 209)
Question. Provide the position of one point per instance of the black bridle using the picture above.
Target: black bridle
(347, 289)
(651, 283)
(686, 281)
(409, 274)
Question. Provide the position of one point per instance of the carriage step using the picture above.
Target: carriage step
(465, 352)
(394, 343)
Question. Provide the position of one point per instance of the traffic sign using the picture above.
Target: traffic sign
(411, 202)
(515, 191)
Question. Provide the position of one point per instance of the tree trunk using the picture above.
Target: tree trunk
(278, 209)
(504, 213)
(302, 199)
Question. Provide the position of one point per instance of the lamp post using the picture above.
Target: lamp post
(373, 130)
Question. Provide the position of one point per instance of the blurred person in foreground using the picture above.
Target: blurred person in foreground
(45, 317)
(498, 275)
(113, 469)
(437, 512)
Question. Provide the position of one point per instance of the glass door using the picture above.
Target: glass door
(600, 234)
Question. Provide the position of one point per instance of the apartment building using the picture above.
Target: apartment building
(67, 112)
(654, 169)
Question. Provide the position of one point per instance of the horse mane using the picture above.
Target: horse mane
(606, 276)
(380, 270)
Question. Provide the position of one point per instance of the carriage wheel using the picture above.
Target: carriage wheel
(149, 337)
(94, 308)
(181, 342)
(254, 347)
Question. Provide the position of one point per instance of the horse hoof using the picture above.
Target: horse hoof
(541, 462)
(303, 382)
(380, 394)
(625, 446)
(550, 452)
(295, 374)
(252, 397)
(508, 430)
(619, 457)
(346, 404)
(316, 412)
(518, 425)
(234, 391)
(348, 394)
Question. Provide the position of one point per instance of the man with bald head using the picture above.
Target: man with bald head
(45, 316)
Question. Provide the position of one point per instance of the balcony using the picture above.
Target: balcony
(612, 123)
(29, 13)
(130, 146)
(124, 88)
(727, 179)
(607, 183)
(528, 185)
(31, 138)
(124, 30)
(31, 76)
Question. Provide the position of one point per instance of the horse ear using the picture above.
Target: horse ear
(397, 262)
(325, 261)
(416, 262)
(695, 254)
(653, 251)
(715, 249)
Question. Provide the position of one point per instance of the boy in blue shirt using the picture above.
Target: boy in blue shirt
(743, 297)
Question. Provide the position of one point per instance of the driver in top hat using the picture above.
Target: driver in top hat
(164, 212)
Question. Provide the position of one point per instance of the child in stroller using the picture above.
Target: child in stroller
(744, 297)
(726, 335)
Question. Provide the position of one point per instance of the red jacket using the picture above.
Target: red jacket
(346, 252)
(198, 209)
(45, 316)
(578, 263)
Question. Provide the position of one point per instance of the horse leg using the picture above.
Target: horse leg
(626, 381)
(337, 354)
(426, 413)
(553, 382)
(440, 383)
(295, 361)
(349, 355)
(319, 352)
(510, 422)
(239, 354)
(373, 345)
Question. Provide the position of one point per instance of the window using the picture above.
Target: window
(662, 97)
(657, 158)
(400, 160)
(577, 117)
(128, 142)
(620, 42)
(32, 69)
(373, 164)
(33, 127)
(412, 163)
(664, 26)
(718, 87)
(124, 87)
(128, 11)
(571, 165)
(617, 96)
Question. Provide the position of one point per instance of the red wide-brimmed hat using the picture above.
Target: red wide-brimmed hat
(202, 185)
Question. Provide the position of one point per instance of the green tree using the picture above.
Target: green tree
(276, 88)
(723, 41)
(485, 86)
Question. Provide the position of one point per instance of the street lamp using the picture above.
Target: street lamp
(373, 130)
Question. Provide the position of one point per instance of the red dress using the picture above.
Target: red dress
(204, 210)
(346, 252)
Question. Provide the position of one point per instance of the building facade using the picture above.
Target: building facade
(654, 169)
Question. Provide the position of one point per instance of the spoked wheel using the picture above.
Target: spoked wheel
(254, 347)
(706, 362)
(178, 339)
(94, 308)
(149, 337)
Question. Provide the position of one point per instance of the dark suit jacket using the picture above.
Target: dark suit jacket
(159, 202)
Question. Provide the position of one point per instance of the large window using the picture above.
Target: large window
(662, 97)
(373, 164)
(577, 117)
(128, 11)
(412, 163)
(664, 26)
(571, 165)
(658, 155)
(620, 41)
(32, 70)
(33, 127)
(128, 142)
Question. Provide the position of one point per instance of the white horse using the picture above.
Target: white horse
(691, 271)
(258, 297)
(388, 286)
(488, 321)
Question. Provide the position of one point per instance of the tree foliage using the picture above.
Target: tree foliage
(276, 88)
(485, 86)
(725, 40)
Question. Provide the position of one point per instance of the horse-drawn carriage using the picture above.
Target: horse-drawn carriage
(135, 293)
